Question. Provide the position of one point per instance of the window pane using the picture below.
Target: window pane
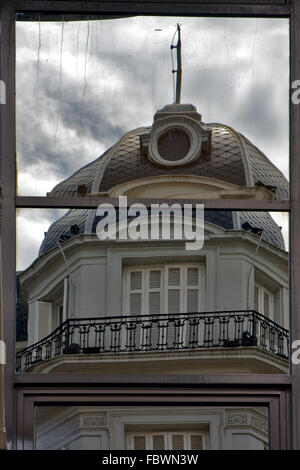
(192, 276)
(154, 282)
(85, 81)
(177, 442)
(173, 301)
(192, 300)
(256, 298)
(174, 277)
(267, 301)
(135, 304)
(196, 442)
(60, 314)
(158, 442)
(139, 442)
(154, 302)
(118, 299)
(136, 280)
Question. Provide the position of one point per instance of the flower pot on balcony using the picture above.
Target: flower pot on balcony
(248, 339)
(91, 350)
(74, 348)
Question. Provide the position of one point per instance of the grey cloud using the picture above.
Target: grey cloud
(27, 245)
(143, 73)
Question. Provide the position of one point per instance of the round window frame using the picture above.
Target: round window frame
(194, 134)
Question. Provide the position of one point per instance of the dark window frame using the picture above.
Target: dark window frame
(275, 400)
(22, 391)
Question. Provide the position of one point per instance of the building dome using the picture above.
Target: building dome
(84, 221)
(225, 156)
(177, 151)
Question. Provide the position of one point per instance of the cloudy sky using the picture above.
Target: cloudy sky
(82, 85)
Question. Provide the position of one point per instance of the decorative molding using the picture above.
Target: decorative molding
(259, 423)
(93, 421)
(239, 419)
(248, 419)
(63, 429)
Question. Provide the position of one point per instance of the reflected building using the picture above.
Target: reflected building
(152, 306)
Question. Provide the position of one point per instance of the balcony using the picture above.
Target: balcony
(158, 334)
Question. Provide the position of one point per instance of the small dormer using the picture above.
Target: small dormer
(177, 137)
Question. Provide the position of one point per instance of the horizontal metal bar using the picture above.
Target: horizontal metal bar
(217, 7)
(93, 202)
(139, 318)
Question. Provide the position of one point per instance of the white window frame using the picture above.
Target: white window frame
(261, 290)
(164, 268)
(56, 306)
(167, 438)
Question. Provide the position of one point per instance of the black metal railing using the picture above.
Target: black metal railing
(150, 333)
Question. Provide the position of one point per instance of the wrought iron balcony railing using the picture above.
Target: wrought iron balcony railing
(153, 333)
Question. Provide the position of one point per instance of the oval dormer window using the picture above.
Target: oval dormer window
(174, 144)
(176, 136)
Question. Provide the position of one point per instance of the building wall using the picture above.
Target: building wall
(96, 287)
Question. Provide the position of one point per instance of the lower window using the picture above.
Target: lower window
(183, 440)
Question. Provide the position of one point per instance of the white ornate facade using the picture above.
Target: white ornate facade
(214, 428)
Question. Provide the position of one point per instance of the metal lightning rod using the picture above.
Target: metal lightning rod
(179, 69)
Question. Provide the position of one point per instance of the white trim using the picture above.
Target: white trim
(261, 308)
